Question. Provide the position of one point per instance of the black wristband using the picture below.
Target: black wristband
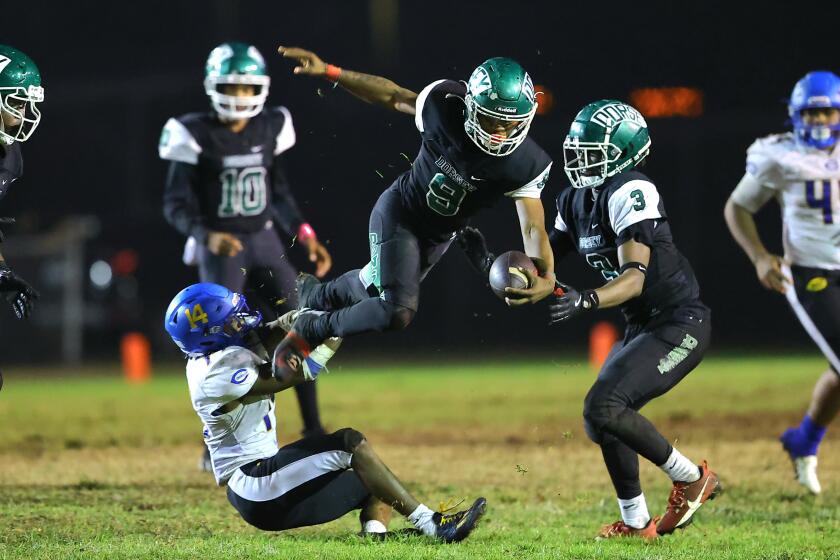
(637, 265)
(589, 300)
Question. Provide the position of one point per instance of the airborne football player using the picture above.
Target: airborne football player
(228, 193)
(474, 151)
(801, 170)
(20, 93)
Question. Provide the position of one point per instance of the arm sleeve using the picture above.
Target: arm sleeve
(750, 194)
(534, 187)
(633, 202)
(286, 210)
(180, 203)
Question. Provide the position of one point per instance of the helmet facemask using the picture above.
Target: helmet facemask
(492, 143)
(586, 163)
(234, 107)
(820, 136)
(19, 104)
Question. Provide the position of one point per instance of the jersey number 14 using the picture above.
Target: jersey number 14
(243, 192)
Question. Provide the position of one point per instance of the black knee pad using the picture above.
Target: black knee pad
(350, 438)
(401, 317)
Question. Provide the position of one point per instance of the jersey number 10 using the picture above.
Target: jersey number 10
(243, 192)
(828, 191)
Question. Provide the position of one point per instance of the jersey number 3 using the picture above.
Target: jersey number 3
(243, 192)
(444, 198)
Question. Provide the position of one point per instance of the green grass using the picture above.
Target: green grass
(94, 468)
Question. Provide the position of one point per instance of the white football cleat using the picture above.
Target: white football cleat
(805, 469)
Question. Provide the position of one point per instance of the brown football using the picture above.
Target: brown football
(506, 273)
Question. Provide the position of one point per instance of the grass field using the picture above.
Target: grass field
(94, 468)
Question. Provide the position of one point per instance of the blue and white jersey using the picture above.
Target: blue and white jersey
(238, 429)
(806, 183)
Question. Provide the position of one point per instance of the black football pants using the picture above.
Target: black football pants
(650, 361)
(386, 293)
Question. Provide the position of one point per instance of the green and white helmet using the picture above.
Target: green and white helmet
(236, 63)
(20, 91)
(606, 138)
(501, 103)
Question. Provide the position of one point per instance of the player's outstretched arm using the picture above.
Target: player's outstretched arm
(768, 267)
(537, 246)
(367, 87)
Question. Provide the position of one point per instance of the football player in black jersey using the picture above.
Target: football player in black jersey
(475, 150)
(20, 93)
(614, 218)
(227, 191)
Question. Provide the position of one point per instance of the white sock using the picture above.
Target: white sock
(634, 512)
(680, 468)
(374, 526)
(422, 519)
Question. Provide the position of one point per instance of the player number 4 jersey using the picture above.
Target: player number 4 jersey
(806, 183)
(245, 432)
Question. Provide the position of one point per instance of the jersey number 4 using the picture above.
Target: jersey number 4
(822, 194)
(243, 192)
(444, 198)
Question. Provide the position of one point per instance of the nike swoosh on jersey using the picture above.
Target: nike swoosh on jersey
(256, 149)
(593, 226)
(474, 178)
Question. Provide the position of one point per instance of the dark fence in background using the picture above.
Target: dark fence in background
(114, 72)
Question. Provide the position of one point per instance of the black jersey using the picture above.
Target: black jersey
(11, 166)
(626, 207)
(226, 181)
(451, 178)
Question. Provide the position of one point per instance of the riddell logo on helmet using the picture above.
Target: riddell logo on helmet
(506, 109)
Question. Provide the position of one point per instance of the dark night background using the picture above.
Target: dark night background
(113, 73)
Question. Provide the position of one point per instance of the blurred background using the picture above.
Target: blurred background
(710, 77)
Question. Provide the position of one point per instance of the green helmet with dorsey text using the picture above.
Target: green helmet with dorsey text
(20, 92)
(501, 103)
(232, 64)
(606, 138)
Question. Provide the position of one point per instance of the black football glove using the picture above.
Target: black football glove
(472, 242)
(3, 222)
(17, 291)
(571, 303)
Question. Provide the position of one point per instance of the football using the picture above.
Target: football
(506, 273)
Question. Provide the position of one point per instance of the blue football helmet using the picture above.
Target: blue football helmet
(820, 89)
(207, 317)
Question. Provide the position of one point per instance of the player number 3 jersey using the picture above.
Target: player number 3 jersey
(245, 431)
(806, 183)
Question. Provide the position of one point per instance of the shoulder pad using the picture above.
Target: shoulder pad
(177, 143)
(434, 93)
(764, 155)
(632, 202)
(286, 136)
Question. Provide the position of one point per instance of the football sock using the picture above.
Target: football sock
(805, 439)
(422, 519)
(374, 526)
(680, 468)
(634, 512)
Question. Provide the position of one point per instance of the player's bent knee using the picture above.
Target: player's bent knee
(599, 409)
(350, 438)
(401, 317)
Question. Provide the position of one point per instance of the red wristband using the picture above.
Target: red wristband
(333, 72)
(305, 232)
